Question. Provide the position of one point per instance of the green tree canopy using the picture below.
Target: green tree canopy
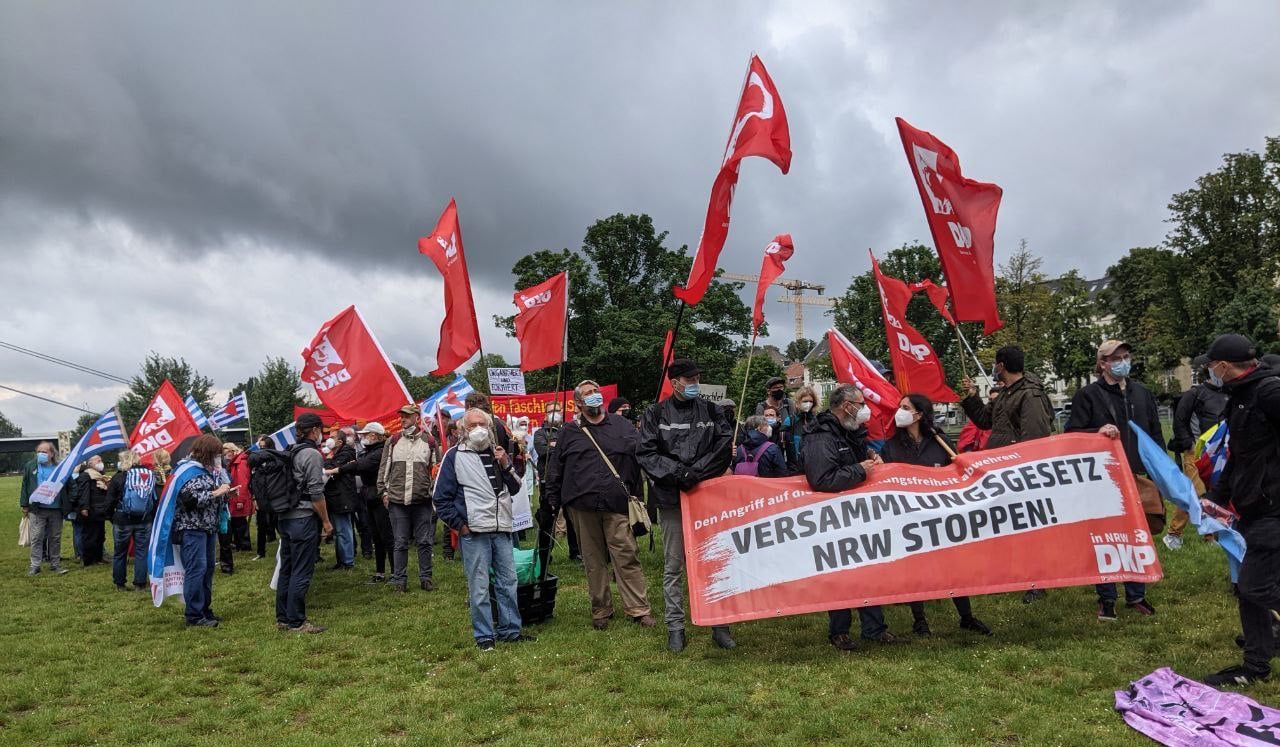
(272, 395)
(155, 369)
(798, 349)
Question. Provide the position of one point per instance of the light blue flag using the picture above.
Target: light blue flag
(1175, 486)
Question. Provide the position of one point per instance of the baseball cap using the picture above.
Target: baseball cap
(1110, 346)
(682, 367)
(308, 420)
(374, 427)
(1231, 348)
(408, 410)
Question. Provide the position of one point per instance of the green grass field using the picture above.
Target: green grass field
(85, 664)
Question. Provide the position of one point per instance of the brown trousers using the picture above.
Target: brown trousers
(605, 536)
(1180, 517)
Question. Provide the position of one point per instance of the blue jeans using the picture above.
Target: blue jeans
(299, 542)
(480, 551)
(1134, 591)
(197, 552)
(870, 620)
(344, 541)
(141, 535)
(77, 535)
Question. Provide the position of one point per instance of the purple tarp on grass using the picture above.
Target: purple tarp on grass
(1179, 712)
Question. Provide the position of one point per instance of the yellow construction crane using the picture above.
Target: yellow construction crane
(795, 297)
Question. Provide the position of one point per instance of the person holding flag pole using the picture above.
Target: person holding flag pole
(776, 253)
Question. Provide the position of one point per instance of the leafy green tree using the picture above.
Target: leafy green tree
(155, 369)
(421, 387)
(620, 307)
(8, 428)
(1026, 306)
(11, 462)
(272, 395)
(798, 349)
(1073, 333)
(1144, 299)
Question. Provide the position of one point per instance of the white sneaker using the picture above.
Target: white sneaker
(1173, 542)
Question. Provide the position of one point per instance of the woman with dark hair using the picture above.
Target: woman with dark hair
(917, 442)
(195, 523)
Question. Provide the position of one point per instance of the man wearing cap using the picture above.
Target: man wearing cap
(783, 430)
(373, 437)
(404, 484)
(684, 440)
(300, 532)
(619, 406)
(1198, 410)
(1250, 482)
(1108, 406)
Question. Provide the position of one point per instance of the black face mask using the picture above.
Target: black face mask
(775, 394)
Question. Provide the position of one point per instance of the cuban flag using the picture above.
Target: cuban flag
(283, 438)
(197, 414)
(164, 565)
(448, 401)
(236, 409)
(1213, 447)
(106, 434)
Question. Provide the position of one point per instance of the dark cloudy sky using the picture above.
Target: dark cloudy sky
(214, 180)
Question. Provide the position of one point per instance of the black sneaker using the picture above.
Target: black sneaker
(1032, 595)
(921, 628)
(1240, 641)
(974, 624)
(1142, 607)
(522, 638)
(720, 636)
(1238, 676)
(675, 641)
(377, 578)
(484, 645)
(842, 642)
(1107, 611)
(203, 623)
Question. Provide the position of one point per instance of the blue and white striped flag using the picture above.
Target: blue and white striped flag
(106, 434)
(448, 401)
(236, 409)
(164, 565)
(197, 414)
(283, 438)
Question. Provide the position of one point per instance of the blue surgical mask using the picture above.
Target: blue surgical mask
(1214, 378)
(595, 399)
(692, 390)
(771, 421)
(1120, 369)
(42, 458)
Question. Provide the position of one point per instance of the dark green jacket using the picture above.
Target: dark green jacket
(30, 481)
(1022, 412)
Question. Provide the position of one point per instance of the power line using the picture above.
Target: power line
(46, 399)
(62, 362)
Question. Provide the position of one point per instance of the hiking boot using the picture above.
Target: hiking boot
(484, 645)
(522, 638)
(399, 588)
(675, 641)
(1107, 611)
(974, 624)
(309, 627)
(203, 623)
(601, 624)
(921, 627)
(842, 642)
(1237, 676)
(428, 585)
(885, 637)
(1142, 607)
(1032, 595)
(720, 636)
(1173, 542)
(644, 621)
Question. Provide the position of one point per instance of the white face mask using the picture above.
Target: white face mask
(329, 444)
(903, 418)
(768, 431)
(553, 418)
(806, 406)
(96, 466)
(478, 437)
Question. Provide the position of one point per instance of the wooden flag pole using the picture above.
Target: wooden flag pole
(733, 445)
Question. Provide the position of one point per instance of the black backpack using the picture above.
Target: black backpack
(271, 478)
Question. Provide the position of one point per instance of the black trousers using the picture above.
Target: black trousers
(364, 530)
(93, 537)
(1258, 590)
(962, 606)
(240, 532)
(380, 528)
(226, 550)
(266, 529)
(546, 519)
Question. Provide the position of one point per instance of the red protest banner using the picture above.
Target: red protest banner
(534, 406)
(1059, 511)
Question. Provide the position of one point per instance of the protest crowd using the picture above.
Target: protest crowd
(792, 472)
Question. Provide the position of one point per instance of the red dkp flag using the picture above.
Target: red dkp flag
(962, 219)
(350, 371)
(937, 296)
(916, 367)
(165, 424)
(459, 332)
(541, 315)
(778, 251)
(759, 129)
(665, 390)
(852, 367)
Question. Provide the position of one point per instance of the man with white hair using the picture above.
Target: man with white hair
(473, 496)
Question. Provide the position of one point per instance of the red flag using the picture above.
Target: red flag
(778, 251)
(916, 367)
(759, 129)
(351, 373)
(937, 296)
(665, 391)
(962, 218)
(165, 424)
(852, 367)
(542, 313)
(459, 332)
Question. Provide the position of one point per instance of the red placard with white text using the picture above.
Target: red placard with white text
(1059, 511)
(534, 406)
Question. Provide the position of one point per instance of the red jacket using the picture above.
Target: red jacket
(240, 504)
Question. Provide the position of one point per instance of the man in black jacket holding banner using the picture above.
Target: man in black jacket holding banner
(1250, 482)
(684, 440)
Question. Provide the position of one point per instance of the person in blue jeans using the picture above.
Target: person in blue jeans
(133, 493)
(195, 523)
(473, 496)
(299, 528)
(340, 496)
